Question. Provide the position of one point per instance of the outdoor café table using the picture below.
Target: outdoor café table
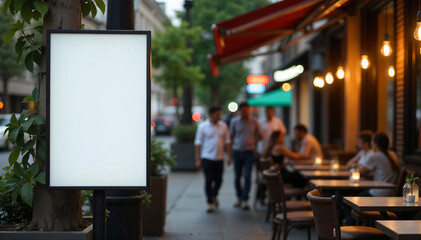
(306, 162)
(336, 185)
(381, 204)
(300, 167)
(400, 229)
(324, 174)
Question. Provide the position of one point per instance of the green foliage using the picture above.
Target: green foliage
(27, 133)
(160, 158)
(170, 51)
(184, 133)
(12, 211)
(227, 85)
(8, 65)
(29, 28)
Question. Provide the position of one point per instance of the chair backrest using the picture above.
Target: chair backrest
(275, 187)
(403, 174)
(263, 164)
(326, 217)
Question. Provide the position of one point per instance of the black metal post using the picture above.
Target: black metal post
(120, 14)
(188, 90)
(99, 215)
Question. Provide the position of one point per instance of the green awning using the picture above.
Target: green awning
(276, 98)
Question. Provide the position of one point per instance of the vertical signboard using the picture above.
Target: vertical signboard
(98, 109)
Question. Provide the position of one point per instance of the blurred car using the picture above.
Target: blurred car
(163, 124)
(5, 119)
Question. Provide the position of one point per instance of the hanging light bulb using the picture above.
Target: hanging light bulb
(365, 63)
(329, 78)
(391, 71)
(286, 87)
(417, 32)
(386, 49)
(318, 82)
(340, 73)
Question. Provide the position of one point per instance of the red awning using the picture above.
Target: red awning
(237, 37)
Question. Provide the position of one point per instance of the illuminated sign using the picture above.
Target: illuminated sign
(288, 74)
(256, 88)
(257, 79)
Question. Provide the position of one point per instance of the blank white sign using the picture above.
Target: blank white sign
(98, 109)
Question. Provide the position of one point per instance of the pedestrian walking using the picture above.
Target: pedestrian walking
(270, 124)
(212, 136)
(245, 133)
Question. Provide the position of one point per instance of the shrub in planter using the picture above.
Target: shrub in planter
(183, 148)
(154, 213)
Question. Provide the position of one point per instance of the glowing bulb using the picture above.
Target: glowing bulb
(417, 32)
(232, 106)
(329, 78)
(318, 82)
(386, 49)
(340, 73)
(391, 71)
(365, 63)
(286, 87)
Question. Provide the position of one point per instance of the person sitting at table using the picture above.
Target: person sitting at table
(384, 165)
(363, 145)
(276, 152)
(307, 146)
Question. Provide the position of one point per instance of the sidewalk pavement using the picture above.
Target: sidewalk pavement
(187, 218)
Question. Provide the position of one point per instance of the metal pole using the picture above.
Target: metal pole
(188, 90)
(99, 215)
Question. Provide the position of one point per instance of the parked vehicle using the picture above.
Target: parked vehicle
(164, 124)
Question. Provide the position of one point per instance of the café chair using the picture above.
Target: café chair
(287, 214)
(326, 219)
(371, 216)
(260, 189)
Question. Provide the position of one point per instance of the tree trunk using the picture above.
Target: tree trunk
(214, 95)
(57, 210)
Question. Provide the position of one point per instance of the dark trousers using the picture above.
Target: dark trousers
(243, 160)
(213, 178)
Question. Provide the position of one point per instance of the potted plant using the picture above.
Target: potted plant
(183, 148)
(154, 213)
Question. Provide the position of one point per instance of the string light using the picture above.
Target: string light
(318, 82)
(340, 73)
(329, 78)
(391, 71)
(365, 62)
(386, 49)
(286, 87)
(417, 32)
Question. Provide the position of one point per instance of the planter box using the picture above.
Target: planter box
(184, 156)
(154, 214)
(85, 234)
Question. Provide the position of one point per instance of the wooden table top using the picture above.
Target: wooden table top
(400, 229)
(300, 167)
(306, 162)
(323, 174)
(381, 204)
(336, 184)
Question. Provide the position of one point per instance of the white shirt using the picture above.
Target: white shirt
(310, 146)
(363, 156)
(268, 128)
(379, 164)
(212, 138)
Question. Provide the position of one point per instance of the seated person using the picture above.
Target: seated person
(384, 165)
(308, 146)
(363, 145)
(276, 151)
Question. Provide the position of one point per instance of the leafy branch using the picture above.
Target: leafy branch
(32, 12)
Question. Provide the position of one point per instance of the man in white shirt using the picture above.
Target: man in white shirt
(269, 125)
(363, 145)
(212, 136)
(308, 145)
